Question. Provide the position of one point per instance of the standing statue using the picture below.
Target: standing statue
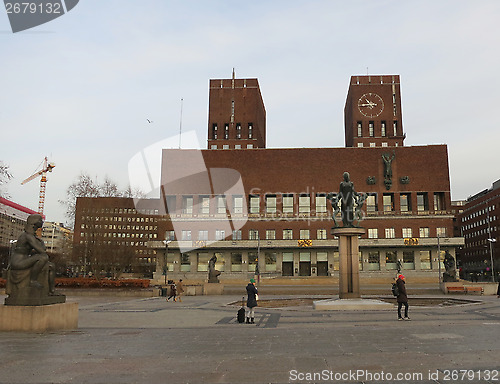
(30, 274)
(347, 197)
(387, 158)
(213, 274)
(450, 273)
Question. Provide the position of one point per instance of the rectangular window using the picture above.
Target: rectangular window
(304, 204)
(250, 130)
(371, 203)
(305, 234)
(270, 203)
(425, 259)
(407, 233)
(424, 232)
(203, 261)
(320, 203)
(270, 261)
(373, 261)
(238, 131)
(187, 205)
(408, 260)
(395, 127)
(185, 262)
(372, 233)
(321, 234)
(270, 234)
(287, 203)
(249, 146)
(370, 129)
(204, 205)
(390, 233)
(171, 204)
(203, 235)
(225, 146)
(221, 204)
(254, 203)
(441, 231)
(383, 129)
(439, 201)
(220, 234)
(226, 131)
(422, 202)
(360, 129)
(237, 234)
(186, 235)
(252, 261)
(238, 204)
(236, 262)
(391, 260)
(253, 234)
(388, 200)
(214, 131)
(405, 202)
(288, 234)
(170, 235)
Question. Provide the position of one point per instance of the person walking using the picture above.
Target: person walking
(251, 301)
(180, 289)
(498, 289)
(402, 297)
(173, 291)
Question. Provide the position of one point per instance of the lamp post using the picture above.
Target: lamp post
(165, 267)
(439, 259)
(490, 240)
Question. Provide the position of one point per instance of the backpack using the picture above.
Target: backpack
(395, 289)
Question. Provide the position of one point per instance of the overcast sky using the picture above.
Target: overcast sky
(80, 88)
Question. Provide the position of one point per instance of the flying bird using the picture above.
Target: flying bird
(149, 121)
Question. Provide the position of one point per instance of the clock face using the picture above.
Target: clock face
(370, 105)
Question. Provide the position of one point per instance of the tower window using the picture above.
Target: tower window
(250, 130)
(370, 129)
(226, 131)
(360, 129)
(395, 126)
(238, 131)
(214, 131)
(382, 128)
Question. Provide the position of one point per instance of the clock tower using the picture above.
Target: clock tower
(372, 113)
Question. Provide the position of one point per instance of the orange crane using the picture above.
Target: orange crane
(46, 167)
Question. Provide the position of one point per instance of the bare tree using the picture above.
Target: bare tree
(5, 177)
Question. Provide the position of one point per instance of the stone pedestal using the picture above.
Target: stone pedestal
(213, 288)
(40, 318)
(348, 261)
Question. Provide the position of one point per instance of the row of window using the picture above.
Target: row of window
(371, 260)
(286, 202)
(119, 227)
(304, 234)
(227, 146)
(129, 219)
(120, 210)
(390, 233)
(239, 134)
(383, 129)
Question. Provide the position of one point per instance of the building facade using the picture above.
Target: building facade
(56, 237)
(479, 223)
(266, 211)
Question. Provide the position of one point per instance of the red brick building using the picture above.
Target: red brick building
(479, 223)
(266, 209)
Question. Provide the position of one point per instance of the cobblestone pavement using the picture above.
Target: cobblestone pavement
(150, 340)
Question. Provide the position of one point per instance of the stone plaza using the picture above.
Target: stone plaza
(198, 340)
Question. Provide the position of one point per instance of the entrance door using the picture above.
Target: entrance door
(305, 268)
(287, 268)
(322, 268)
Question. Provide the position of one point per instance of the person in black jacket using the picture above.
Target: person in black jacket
(402, 297)
(251, 301)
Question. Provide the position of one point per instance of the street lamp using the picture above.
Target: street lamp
(491, 241)
(165, 267)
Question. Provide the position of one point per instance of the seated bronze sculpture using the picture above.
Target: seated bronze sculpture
(30, 274)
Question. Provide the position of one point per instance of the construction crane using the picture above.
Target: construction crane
(46, 167)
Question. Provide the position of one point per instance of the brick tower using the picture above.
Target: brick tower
(236, 114)
(372, 113)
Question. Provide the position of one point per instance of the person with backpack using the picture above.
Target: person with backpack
(251, 301)
(402, 297)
